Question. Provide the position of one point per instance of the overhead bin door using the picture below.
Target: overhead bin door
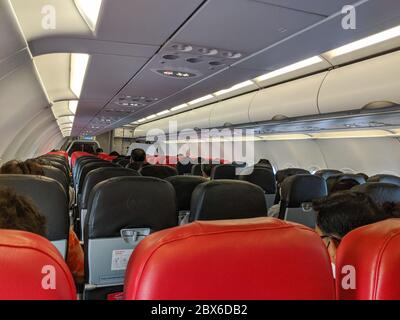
(231, 111)
(291, 99)
(197, 118)
(361, 84)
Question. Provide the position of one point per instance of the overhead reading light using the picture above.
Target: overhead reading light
(351, 134)
(293, 67)
(79, 63)
(366, 42)
(89, 10)
(73, 105)
(163, 113)
(202, 99)
(235, 87)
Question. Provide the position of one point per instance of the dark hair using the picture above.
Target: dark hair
(19, 213)
(342, 185)
(114, 154)
(138, 155)
(391, 209)
(99, 150)
(14, 167)
(206, 169)
(34, 167)
(264, 162)
(44, 162)
(340, 213)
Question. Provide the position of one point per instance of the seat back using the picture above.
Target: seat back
(332, 180)
(380, 192)
(224, 171)
(264, 178)
(58, 175)
(184, 187)
(158, 171)
(196, 170)
(51, 201)
(88, 167)
(386, 178)
(79, 165)
(121, 212)
(298, 192)
(367, 263)
(31, 268)
(227, 199)
(326, 173)
(253, 259)
(281, 175)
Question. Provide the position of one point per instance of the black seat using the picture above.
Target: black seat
(184, 167)
(333, 180)
(158, 171)
(262, 177)
(184, 187)
(88, 167)
(58, 175)
(326, 173)
(196, 170)
(227, 199)
(51, 200)
(123, 162)
(79, 165)
(224, 171)
(380, 192)
(386, 178)
(281, 175)
(121, 212)
(298, 192)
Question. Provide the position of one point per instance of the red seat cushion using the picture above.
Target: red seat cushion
(24, 261)
(261, 258)
(373, 252)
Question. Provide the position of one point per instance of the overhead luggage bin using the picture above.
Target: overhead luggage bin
(367, 84)
(291, 99)
(197, 118)
(232, 111)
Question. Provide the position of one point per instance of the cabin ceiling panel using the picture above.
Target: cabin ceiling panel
(243, 26)
(11, 37)
(54, 70)
(312, 6)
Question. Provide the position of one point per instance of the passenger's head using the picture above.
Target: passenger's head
(14, 167)
(264, 162)
(19, 213)
(99, 150)
(138, 155)
(343, 185)
(206, 170)
(114, 154)
(34, 167)
(342, 212)
(43, 162)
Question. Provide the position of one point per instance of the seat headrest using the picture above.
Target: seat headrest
(302, 188)
(332, 180)
(386, 178)
(49, 197)
(251, 259)
(373, 252)
(260, 176)
(196, 170)
(88, 167)
(184, 187)
(380, 192)
(224, 171)
(98, 175)
(158, 171)
(26, 258)
(326, 173)
(285, 173)
(184, 168)
(56, 174)
(227, 199)
(127, 202)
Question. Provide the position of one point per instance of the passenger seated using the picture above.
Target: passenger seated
(206, 170)
(343, 185)
(264, 163)
(137, 160)
(99, 150)
(114, 154)
(342, 212)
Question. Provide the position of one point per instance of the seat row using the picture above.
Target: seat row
(262, 258)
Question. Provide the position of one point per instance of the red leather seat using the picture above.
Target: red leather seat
(371, 255)
(261, 258)
(27, 265)
(76, 155)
